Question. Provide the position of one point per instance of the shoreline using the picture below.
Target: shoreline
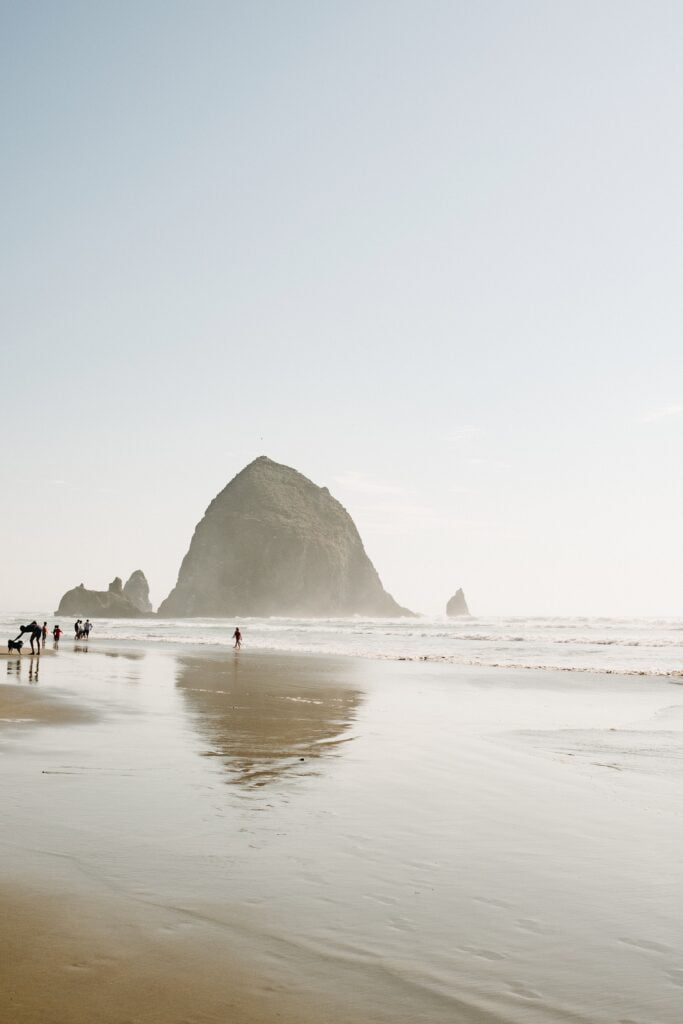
(163, 645)
(615, 647)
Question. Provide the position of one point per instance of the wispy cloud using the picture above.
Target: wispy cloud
(461, 490)
(397, 508)
(407, 520)
(464, 433)
(490, 463)
(367, 485)
(663, 413)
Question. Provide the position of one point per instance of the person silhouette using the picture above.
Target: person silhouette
(36, 633)
(237, 637)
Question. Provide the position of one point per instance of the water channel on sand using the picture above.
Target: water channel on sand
(208, 837)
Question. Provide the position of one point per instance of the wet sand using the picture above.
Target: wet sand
(191, 837)
(6, 655)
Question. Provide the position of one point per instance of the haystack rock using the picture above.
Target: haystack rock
(110, 604)
(457, 604)
(137, 591)
(273, 543)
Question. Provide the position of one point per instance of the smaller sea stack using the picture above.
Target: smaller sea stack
(117, 602)
(457, 605)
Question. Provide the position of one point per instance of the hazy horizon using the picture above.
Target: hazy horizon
(428, 255)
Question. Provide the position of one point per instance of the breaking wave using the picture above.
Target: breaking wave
(579, 644)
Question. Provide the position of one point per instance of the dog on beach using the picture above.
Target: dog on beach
(15, 645)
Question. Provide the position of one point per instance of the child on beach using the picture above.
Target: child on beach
(56, 633)
(237, 637)
(44, 633)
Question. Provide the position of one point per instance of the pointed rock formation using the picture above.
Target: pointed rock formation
(457, 605)
(273, 543)
(110, 604)
(137, 591)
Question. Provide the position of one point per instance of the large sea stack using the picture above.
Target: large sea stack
(273, 543)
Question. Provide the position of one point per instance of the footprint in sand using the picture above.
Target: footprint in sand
(398, 924)
(529, 925)
(384, 900)
(96, 962)
(651, 947)
(524, 991)
(501, 904)
(485, 954)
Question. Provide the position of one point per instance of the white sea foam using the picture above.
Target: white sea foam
(642, 646)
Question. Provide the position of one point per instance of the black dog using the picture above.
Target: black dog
(15, 645)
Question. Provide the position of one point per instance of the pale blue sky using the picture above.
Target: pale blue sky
(430, 254)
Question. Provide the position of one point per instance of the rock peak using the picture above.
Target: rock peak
(274, 543)
(457, 604)
(114, 603)
(116, 585)
(136, 590)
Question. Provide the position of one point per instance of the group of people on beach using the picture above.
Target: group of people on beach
(38, 634)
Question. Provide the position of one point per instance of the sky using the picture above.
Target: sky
(428, 253)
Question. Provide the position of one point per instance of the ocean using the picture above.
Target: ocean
(641, 646)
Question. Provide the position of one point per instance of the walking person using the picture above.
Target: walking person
(87, 626)
(237, 637)
(44, 633)
(56, 633)
(77, 629)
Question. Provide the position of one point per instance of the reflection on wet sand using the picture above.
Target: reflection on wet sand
(264, 716)
(14, 666)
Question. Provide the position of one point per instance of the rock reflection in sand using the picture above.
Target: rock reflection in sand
(266, 717)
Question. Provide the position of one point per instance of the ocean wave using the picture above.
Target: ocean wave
(538, 667)
(577, 644)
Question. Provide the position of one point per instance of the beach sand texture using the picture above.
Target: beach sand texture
(256, 838)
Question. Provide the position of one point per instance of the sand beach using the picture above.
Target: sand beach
(203, 836)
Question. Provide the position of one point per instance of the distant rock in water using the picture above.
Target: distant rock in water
(273, 543)
(113, 603)
(457, 604)
(137, 591)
